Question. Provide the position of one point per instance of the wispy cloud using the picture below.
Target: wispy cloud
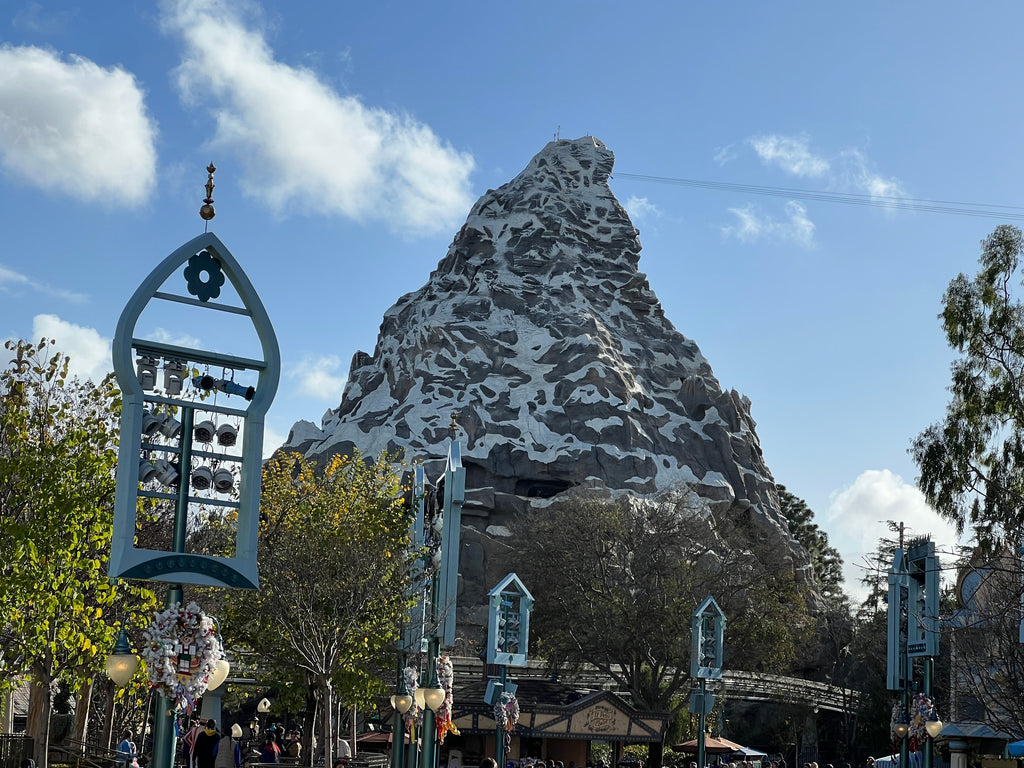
(790, 153)
(318, 377)
(11, 280)
(88, 350)
(725, 154)
(304, 146)
(858, 173)
(177, 339)
(640, 208)
(73, 127)
(751, 225)
(858, 517)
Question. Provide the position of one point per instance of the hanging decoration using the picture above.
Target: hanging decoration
(445, 677)
(899, 715)
(506, 714)
(181, 652)
(414, 716)
(920, 714)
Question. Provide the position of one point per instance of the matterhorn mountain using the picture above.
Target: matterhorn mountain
(539, 332)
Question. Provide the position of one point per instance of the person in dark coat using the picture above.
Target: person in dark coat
(204, 750)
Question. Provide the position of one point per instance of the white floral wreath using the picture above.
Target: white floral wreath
(181, 652)
(506, 712)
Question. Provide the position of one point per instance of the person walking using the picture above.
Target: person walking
(204, 749)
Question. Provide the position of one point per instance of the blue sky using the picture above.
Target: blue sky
(352, 138)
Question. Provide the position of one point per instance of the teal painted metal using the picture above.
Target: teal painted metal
(923, 600)
(454, 497)
(127, 560)
(414, 629)
(509, 606)
(897, 672)
(707, 640)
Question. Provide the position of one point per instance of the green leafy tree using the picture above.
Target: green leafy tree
(616, 583)
(972, 462)
(57, 456)
(334, 555)
(826, 562)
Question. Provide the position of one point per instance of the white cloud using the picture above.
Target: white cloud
(317, 377)
(74, 127)
(858, 173)
(858, 517)
(751, 225)
(10, 279)
(725, 154)
(176, 339)
(88, 350)
(791, 154)
(306, 147)
(640, 208)
(272, 440)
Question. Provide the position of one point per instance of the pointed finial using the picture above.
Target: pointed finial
(453, 427)
(206, 212)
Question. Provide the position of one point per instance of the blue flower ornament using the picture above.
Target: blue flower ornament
(204, 276)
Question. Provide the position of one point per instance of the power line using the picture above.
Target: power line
(890, 202)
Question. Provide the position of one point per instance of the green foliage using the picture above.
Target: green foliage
(334, 556)
(972, 462)
(616, 584)
(57, 457)
(826, 563)
(58, 446)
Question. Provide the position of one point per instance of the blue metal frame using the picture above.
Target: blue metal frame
(127, 560)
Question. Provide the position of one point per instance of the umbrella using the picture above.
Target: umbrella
(711, 746)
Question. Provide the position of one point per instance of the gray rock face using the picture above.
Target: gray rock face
(539, 331)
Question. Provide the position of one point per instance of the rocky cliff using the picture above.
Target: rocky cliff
(540, 332)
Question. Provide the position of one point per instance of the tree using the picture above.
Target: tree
(334, 556)
(57, 456)
(826, 562)
(616, 583)
(972, 462)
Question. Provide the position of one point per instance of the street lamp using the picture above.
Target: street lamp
(401, 702)
(429, 698)
(220, 673)
(122, 664)
(933, 726)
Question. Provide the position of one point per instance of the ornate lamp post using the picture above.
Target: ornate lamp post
(167, 455)
(508, 640)
(707, 634)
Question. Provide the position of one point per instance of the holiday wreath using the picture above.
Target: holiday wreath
(181, 651)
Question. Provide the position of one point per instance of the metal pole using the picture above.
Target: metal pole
(164, 738)
(701, 719)
(398, 729)
(929, 663)
(905, 743)
(499, 732)
(429, 757)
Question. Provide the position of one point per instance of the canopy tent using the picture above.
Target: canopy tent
(750, 752)
(711, 746)
(893, 761)
(377, 737)
(1015, 749)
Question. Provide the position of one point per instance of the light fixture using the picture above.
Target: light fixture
(146, 471)
(170, 426)
(934, 727)
(223, 480)
(227, 435)
(236, 731)
(205, 430)
(174, 376)
(902, 729)
(264, 706)
(122, 663)
(202, 478)
(166, 472)
(429, 698)
(221, 668)
(401, 702)
(150, 422)
(146, 369)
